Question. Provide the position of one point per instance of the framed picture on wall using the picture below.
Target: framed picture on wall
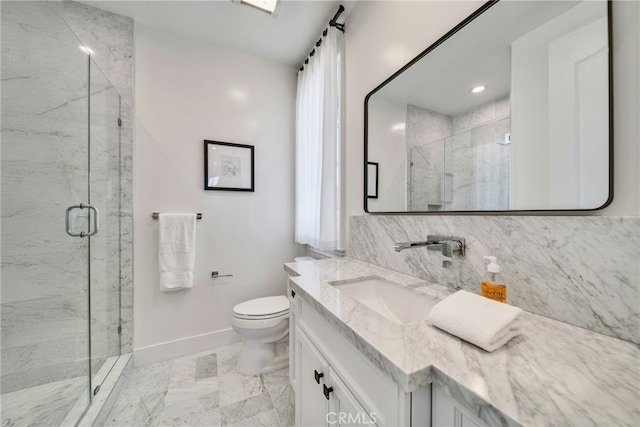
(228, 167)
(372, 180)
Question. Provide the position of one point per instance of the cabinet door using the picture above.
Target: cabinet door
(293, 313)
(443, 410)
(344, 409)
(446, 412)
(467, 422)
(311, 404)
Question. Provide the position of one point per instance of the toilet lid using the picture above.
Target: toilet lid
(263, 306)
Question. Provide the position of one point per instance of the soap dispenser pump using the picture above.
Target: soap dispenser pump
(493, 286)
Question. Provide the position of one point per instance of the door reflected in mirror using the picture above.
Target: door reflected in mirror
(509, 112)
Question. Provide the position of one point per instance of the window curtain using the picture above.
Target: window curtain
(318, 145)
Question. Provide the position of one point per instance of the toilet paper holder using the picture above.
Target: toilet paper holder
(215, 274)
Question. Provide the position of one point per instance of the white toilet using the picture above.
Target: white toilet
(262, 323)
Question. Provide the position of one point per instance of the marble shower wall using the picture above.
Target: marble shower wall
(429, 187)
(583, 270)
(478, 167)
(44, 164)
(110, 36)
(458, 162)
(425, 133)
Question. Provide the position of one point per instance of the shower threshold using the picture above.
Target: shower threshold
(110, 378)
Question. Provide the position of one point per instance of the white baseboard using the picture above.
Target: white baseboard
(184, 346)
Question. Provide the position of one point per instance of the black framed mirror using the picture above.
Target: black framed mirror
(510, 111)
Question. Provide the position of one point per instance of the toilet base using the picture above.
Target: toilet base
(257, 358)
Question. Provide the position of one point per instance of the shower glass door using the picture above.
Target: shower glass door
(104, 247)
(45, 341)
(60, 147)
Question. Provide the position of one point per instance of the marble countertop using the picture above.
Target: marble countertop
(553, 374)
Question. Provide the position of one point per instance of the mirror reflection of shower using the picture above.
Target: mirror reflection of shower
(459, 162)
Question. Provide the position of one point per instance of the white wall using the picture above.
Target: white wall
(188, 91)
(626, 109)
(388, 148)
(383, 36)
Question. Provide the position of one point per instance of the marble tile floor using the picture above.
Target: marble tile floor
(54, 403)
(42, 405)
(203, 389)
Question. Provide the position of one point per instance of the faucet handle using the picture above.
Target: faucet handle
(450, 244)
(461, 244)
(436, 238)
(446, 249)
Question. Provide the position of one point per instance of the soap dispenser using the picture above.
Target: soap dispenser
(493, 286)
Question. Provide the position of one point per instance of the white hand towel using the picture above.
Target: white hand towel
(483, 322)
(177, 249)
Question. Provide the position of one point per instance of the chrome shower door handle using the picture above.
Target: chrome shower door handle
(68, 221)
(96, 220)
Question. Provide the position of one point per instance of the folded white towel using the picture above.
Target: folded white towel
(177, 248)
(483, 322)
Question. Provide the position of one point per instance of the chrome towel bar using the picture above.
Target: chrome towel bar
(156, 215)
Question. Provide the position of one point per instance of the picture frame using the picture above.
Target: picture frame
(372, 180)
(228, 166)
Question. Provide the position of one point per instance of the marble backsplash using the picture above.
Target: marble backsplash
(582, 270)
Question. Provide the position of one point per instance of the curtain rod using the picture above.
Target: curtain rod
(332, 23)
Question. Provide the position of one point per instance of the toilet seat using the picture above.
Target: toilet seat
(264, 317)
(262, 308)
(257, 323)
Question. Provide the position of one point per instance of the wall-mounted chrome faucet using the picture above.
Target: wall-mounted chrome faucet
(447, 244)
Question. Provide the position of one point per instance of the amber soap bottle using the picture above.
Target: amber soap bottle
(493, 286)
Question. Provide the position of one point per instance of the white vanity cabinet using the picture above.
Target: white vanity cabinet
(322, 398)
(335, 384)
(312, 406)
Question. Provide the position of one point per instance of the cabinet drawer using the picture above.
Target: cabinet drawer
(376, 392)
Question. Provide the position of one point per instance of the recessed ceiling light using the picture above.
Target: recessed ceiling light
(478, 89)
(399, 127)
(238, 94)
(265, 5)
(86, 50)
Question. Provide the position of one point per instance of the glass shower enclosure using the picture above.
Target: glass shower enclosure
(60, 226)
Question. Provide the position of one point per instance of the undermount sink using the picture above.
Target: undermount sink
(392, 301)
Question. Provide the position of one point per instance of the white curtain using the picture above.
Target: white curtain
(318, 145)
